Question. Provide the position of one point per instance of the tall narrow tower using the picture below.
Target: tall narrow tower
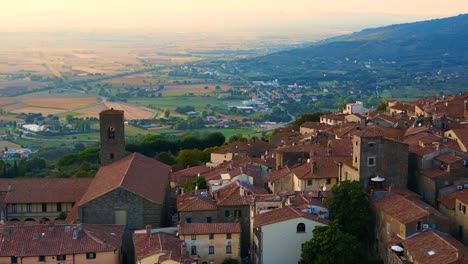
(112, 135)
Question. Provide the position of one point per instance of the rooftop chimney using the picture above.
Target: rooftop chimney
(148, 229)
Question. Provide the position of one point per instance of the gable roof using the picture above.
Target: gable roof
(51, 240)
(237, 193)
(150, 244)
(444, 248)
(135, 173)
(450, 200)
(44, 190)
(400, 208)
(278, 174)
(197, 200)
(283, 214)
(208, 228)
(189, 172)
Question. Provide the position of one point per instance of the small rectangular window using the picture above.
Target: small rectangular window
(13, 208)
(419, 225)
(237, 213)
(228, 236)
(228, 249)
(188, 220)
(227, 213)
(211, 250)
(193, 250)
(208, 219)
(91, 255)
(355, 159)
(61, 257)
(211, 236)
(328, 181)
(194, 237)
(14, 260)
(29, 208)
(309, 182)
(59, 207)
(371, 161)
(371, 144)
(44, 207)
(41, 259)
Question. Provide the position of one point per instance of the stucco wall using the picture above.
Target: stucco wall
(282, 244)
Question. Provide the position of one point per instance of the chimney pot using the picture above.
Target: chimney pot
(148, 230)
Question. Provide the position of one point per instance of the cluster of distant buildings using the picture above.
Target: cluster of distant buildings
(263, 199)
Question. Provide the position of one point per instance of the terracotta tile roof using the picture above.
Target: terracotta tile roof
(284, 214)
(319, 168)
(315, 125)
(334, 116)
(416, 130)
(422, 151)
(402, 107)
(462, 135)
(450, 200)
(44, 190)
(135, 173)
(189, 172)
(237, 194)
(195, 201)
(452, 108)
(400, 208)
(278, 174)
(27, 240)
(156, 243)
(422, 139)
(386, 117)
(372, 131)
(433, 172)
(444, 248)
(239, 147)
(209, 228)
(296, 148)
(462, 196)
(448, 158)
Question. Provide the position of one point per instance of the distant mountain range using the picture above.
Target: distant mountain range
(422, 46)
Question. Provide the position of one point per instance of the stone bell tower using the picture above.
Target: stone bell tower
(112, 135)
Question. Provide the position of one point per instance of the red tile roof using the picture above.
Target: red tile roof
(278, 174)
(434, 172)
(135, 173)
(444, 248)
(189, 172)
(448, 158)
(422, 139)
(450, 200)
(462, 135)
(44, 190)
(237, 194)
(284, 214)
(156, 243)
(325, 167)
(209, 228)
(51, 240)
(195, 201)
(400, 208)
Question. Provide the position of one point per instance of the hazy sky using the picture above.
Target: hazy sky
(212, 15)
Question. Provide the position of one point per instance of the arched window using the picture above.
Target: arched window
(301, 228)
(111, 132)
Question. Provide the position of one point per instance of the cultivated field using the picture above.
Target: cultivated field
(132, 111)
(59, 103)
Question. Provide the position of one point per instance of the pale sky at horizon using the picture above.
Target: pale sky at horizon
(199, 15)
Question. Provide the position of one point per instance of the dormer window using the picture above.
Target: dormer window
(111, 133)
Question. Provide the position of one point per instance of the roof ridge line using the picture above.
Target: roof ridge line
(128, 167)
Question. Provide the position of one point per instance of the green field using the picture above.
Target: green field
(227, 132)
(171, 102)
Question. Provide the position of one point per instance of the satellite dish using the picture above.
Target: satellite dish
(397, 248)
(324, 188)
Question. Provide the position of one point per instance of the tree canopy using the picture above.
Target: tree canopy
(330, 245)
(350, 207)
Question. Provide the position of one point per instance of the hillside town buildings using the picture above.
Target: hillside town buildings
(263, 200)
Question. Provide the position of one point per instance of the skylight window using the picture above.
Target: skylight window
(430, 252)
